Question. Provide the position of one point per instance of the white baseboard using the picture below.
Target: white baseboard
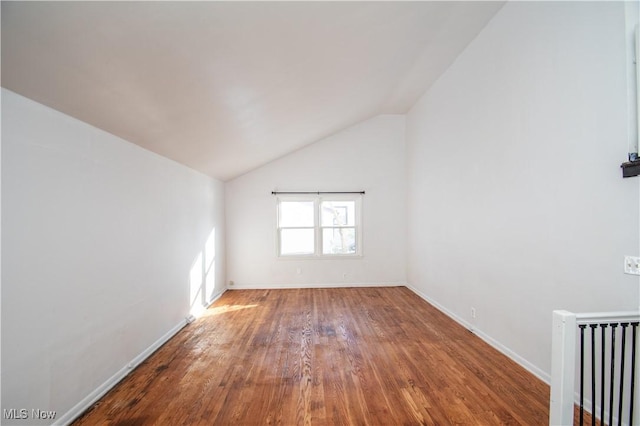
(536, 371)
(312, 285)
(101, 390)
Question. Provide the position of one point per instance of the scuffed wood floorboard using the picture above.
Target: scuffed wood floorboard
(350, 356)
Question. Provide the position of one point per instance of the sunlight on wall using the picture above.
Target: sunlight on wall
(202, 277)
(210, 266)
(195, 287)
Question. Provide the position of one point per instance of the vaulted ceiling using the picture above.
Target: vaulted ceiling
(224, 87)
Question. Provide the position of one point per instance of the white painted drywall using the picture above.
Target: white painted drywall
(369, 157)
(516, 202)
(99, 237)
(250, 81)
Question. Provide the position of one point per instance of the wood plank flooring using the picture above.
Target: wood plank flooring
(362, 356)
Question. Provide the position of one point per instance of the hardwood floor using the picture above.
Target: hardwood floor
(377, 356)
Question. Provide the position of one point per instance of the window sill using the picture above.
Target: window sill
(328, 257)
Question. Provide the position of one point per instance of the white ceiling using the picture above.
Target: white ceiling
(224, 87)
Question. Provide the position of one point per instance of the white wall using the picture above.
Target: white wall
(99, 239)
(369, 157)
(516, 202)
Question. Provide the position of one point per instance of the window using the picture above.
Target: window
(319, 226)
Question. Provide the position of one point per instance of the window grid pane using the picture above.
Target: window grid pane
(339, 240)
(296, 214)
(338, 213)
(297, 241)
(318, 227)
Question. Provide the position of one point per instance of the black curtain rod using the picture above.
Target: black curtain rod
(318, 192)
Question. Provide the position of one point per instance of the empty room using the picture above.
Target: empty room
(320, 213)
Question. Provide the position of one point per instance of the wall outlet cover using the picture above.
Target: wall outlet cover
(632, 265)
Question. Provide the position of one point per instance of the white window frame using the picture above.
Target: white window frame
(317, 225)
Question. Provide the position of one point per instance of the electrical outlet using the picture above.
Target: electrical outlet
(473, 313)
(231, 283)
(632, 265)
